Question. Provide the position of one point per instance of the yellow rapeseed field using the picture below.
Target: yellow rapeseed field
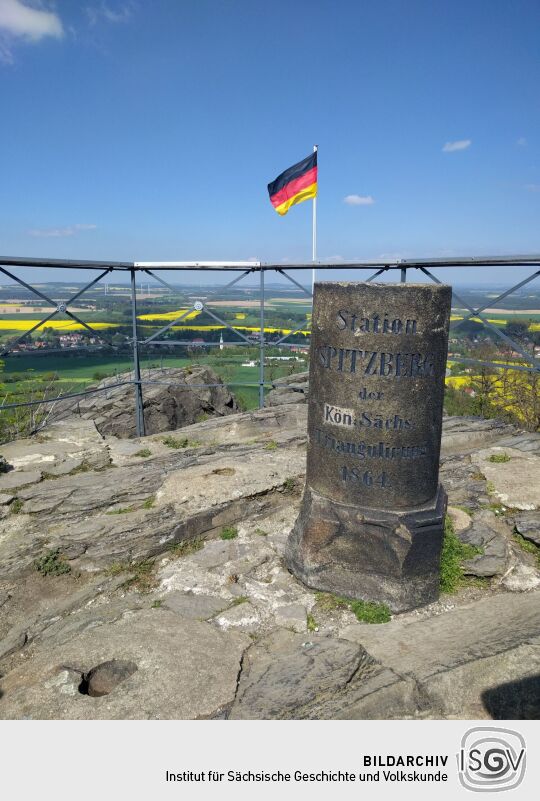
(459, 381)
(268, 330)
(168, 316)
(58, 325)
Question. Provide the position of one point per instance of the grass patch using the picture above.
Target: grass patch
(480, 582)
(142, 576)
(311, 623)
(156, 604)
(453, 553)
(499, 458)
(271, 446)
(478, 477)
(365, 611)
(289, 484)
(149, 503)
(242, 599)
(186, 547)
(368, 612)
(52, 563)
(469, 551)
(144, 453)
(467, 509)
(122, 511)
(490, 487)
(527, 545)
(229, 533)
(180, 442)
(330, 603)
(116, 569)
(16, 506)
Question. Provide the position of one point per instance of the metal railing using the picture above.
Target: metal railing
(241, 271)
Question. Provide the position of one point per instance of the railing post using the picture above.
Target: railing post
(139, 412)
(261, 343)
(403, 275)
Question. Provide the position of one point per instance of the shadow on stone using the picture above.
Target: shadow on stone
(514, 700)
(104, 678)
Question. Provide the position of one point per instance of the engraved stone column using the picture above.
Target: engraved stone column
(372, 516)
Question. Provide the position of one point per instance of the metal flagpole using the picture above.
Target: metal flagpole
(314, 231)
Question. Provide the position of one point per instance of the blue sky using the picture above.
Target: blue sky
(148, 130)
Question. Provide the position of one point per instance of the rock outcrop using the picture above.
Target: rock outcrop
(172, 398)
(289, 389)
(155, 566)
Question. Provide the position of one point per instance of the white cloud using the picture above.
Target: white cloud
(20, 21)
(459, 144)
(522, 142)
(105, 12)
(359, 200)
(69, 230)
(395, 256)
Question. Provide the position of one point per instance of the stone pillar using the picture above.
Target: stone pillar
(372, 516)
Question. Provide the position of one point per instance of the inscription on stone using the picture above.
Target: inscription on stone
(377, 369)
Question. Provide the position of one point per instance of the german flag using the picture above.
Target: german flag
(296, 184)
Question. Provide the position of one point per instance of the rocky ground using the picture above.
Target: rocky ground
(143, 578)
(289, 389)
(172, 398)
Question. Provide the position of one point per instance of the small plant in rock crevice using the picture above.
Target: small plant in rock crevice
(454, 552)
(16, 506)
(365, 611)
(526, 545)
(52, 563)
(368, 612)
(229, 533)
(242, 599)
(186, 547)
(177, 442)
(499, 458)
(142, 576)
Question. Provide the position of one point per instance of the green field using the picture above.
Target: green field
(26, 377)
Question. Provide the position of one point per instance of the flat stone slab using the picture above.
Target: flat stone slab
(292, 616)
(184, 669)
(521, 578)
(18, 478)
(427, 647)
(528, 525)
(244, 617)
(467, 434)
(459, 658)
(285, 672)
(194, 607)
(132, 508)
(492, 534)
(507, 478)
(460, 519)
